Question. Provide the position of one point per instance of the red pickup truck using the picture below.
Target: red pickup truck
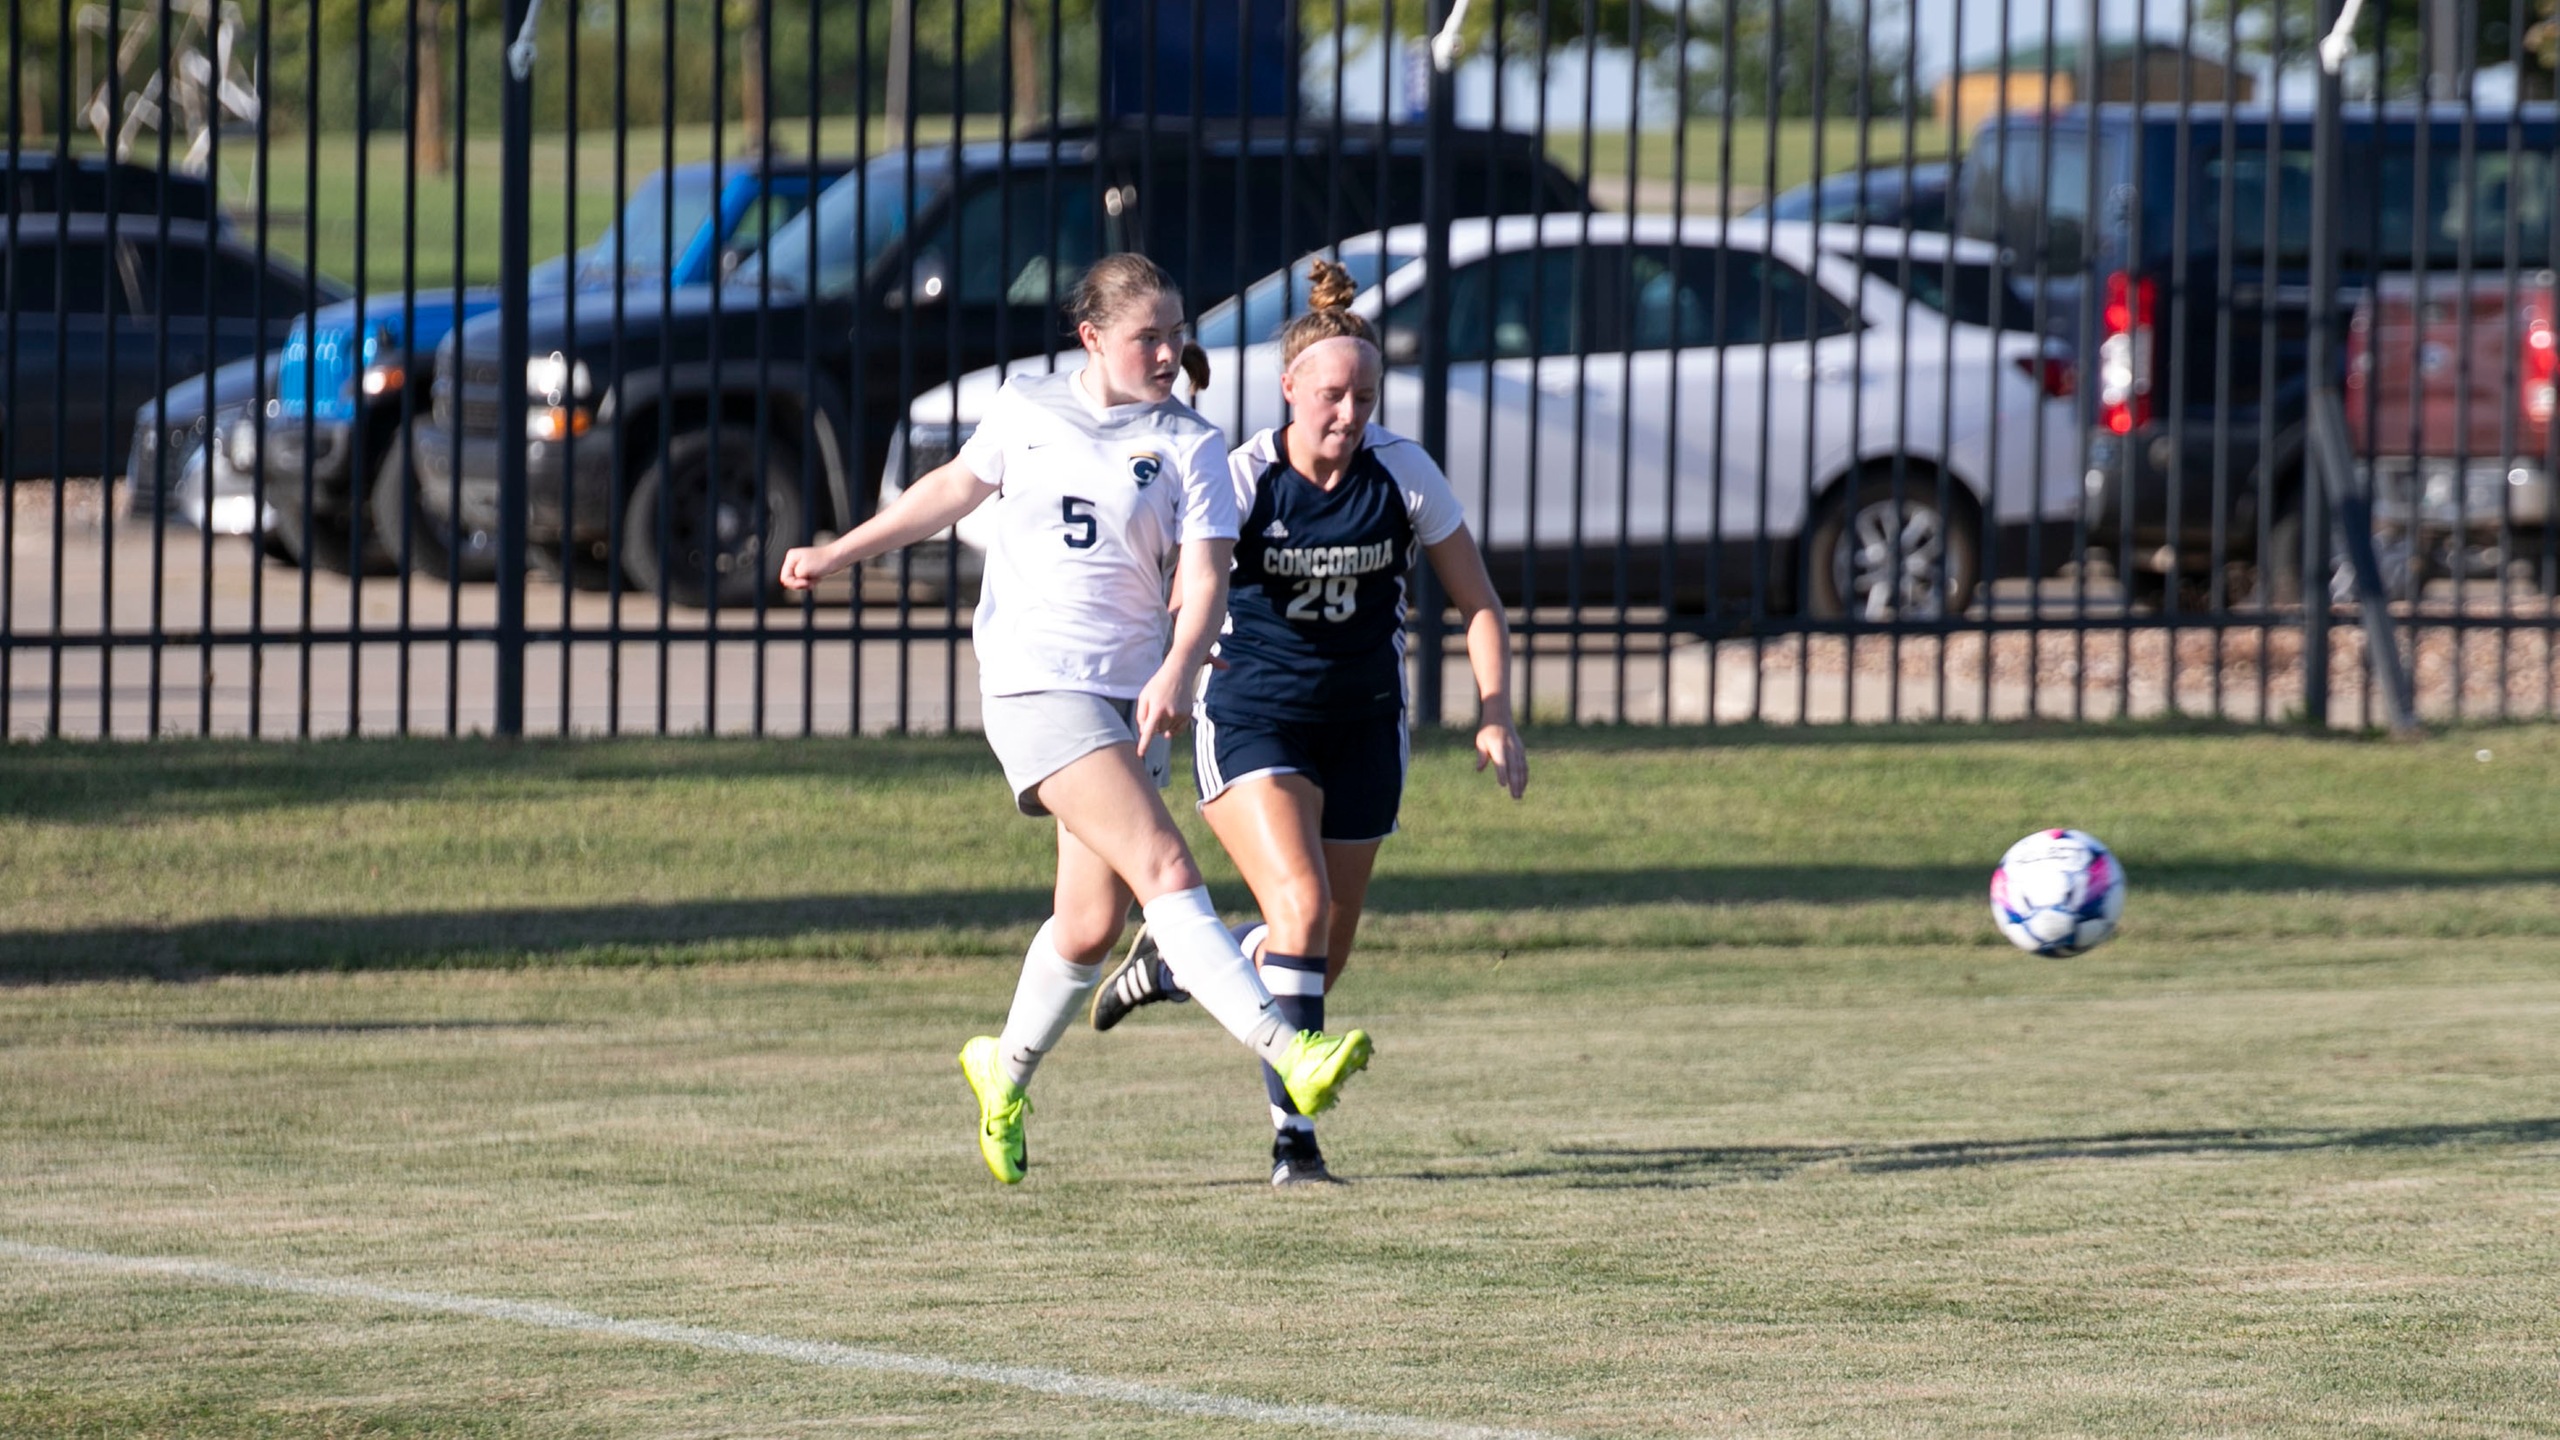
(2449, 408)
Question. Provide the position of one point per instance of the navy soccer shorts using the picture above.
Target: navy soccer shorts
(1358, 764)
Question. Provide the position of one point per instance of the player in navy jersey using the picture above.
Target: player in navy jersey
(1301, 744)
(1104, 490)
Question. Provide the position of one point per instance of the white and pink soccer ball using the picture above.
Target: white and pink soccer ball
(2058, 893)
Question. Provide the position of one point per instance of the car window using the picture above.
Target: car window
(1260, 312)
(853, 222)
(1964, 291)
(1526, 303)
(1017, 245)
(2023, 183)
(2379, 224)
(1758, 299)
(77, 274)
(761, 216)
(179, 290)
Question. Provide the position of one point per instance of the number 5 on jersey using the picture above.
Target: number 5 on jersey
(1338, 594)
(1081, 526)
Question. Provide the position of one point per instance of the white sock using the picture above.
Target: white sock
(1249, 935)
(1207, 963)
(1045, 1002)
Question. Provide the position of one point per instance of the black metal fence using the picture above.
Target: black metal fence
(439, 365)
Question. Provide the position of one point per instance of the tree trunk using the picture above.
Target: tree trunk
(428, 85)
(902, 59)
(751, 96)
(1026, 66)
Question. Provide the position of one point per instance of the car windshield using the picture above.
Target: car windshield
(657, 210)
(1259, 313)
(854, 221)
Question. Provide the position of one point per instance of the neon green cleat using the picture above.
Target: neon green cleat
(1001, 1107)
(1316, 1064)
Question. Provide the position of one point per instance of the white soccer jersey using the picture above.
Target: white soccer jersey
(1091, 509)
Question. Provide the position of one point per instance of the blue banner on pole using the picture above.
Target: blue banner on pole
(1260, 37)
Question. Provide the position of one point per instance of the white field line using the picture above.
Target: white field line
(1163, 1398)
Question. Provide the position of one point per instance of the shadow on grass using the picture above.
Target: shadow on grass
(95, 782)
(499, 936)
(1678, 1167)
(508, 936)
(103, 782)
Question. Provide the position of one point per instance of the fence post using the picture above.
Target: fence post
(1436, 205)
(515, 189)
(2323, 358)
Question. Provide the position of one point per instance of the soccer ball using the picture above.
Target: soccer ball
(2057, 893)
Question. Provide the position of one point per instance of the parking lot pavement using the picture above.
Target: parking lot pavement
(205, 677)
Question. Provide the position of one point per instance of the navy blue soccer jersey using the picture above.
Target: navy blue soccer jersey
(1315, 614)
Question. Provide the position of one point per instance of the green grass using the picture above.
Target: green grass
(473, 181)
(1705, 1101)
(1756, 146)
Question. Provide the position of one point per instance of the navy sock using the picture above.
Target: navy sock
(1296, 983)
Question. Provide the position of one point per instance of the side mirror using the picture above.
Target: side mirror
(928, 282)
(1403, 345)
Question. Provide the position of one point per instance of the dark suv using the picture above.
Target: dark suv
(786, 382)
(2193, 318)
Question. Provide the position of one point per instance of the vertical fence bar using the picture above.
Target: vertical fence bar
(406, 540)
(811, 416)
(1667, 571)
(2326, 173)
(760, 512)
(360, 538)
(515, 193)
(161, 385)
(617, 494)
(1437, 183)
(107, 418)
(313, 533)
(570, 564)
(458, 167)
(61, 360)
(15, 277)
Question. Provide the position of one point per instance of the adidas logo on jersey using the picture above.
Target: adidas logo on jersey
(1275, 531)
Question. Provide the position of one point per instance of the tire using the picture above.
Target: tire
(742, 562)
(1862, 562)
(329, 545)
(583, 570)
(393, 503)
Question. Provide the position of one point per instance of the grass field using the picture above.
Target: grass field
(1706, 1101)
(571, 210)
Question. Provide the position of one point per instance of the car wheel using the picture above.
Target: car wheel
(1877, 557)
(583, 569)
(393, 503)
(713, 545)
(335, 543)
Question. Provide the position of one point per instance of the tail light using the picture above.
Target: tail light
(2055, 375)
(2541, 370)
(2124, 357)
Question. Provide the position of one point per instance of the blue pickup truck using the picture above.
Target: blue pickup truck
(350, 379)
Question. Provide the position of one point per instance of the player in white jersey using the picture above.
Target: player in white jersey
(1106, 488)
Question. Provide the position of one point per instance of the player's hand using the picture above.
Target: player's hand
(1499, 747)
(803, 566)
(1160, 710)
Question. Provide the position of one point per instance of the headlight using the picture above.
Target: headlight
(382, 373)
(551, 377)
(240, 442)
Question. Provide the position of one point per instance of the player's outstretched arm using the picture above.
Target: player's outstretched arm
(931, 505)
(1460, 567)
(1200, 607)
